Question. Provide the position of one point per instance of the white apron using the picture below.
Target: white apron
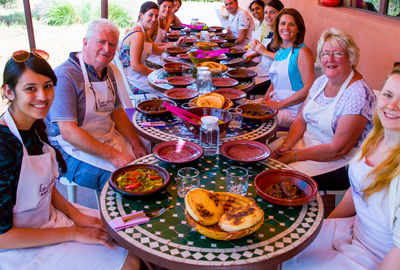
(97, 122)
(33, 209)
(139, 80)
(319, 131)
(279, 76)
(339, 244)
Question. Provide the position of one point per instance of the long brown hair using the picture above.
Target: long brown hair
(277, 40)
(385, 172)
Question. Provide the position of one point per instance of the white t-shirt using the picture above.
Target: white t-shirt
(241, 20)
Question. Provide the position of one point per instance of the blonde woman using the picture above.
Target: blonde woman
(363, 232)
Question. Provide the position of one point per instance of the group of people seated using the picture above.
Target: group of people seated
(71, 122)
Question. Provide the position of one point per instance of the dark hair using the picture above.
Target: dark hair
(277, 40)
(146, 6)
(258, 2)
(159, 2)
(180, 1)
(276, 4)
(13, 72)
(396, 65)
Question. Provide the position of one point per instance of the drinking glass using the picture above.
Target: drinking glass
(237, 118)
(236, 180)
(188, 179)
(184, 131)
(187, 71)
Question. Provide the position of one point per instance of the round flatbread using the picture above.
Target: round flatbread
(203, 206)
(213, 100)
(240, 218)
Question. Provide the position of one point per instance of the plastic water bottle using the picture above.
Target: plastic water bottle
(203, 80)
(209, 135)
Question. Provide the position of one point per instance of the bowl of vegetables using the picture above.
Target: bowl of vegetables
(139, 180)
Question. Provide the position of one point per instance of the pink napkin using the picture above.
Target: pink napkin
(137, 219)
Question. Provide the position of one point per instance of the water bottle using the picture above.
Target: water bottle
(203, 80)
(209, 135)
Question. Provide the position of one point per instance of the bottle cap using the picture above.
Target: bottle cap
(209, 122)
(203, 69)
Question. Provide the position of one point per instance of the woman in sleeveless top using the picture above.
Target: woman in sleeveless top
(292, 72)
(137, 46)
(39, 229)
(363, 232)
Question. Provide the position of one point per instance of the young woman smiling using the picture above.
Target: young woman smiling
(363, 232)
(39, 229)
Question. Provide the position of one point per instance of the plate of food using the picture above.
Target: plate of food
(176, 50)
(177, 152)
(205, 45)
(286, 187)
(231, 93)
(211, 100)
(180, 80)
(181, 95)
(221, 82)
(234, 62)
(257, 112)
(214, 67)
(245, 151)
(232, 216)
(184, 56)
(154, 107)
(139, 180)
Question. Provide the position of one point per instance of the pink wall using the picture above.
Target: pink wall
(377, 37)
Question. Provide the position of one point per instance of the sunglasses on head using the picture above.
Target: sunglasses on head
(23, 55)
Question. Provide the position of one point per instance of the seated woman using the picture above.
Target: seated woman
(39, 229)
(158, 32)
(371, 238)
(264, 38)
(292, 72)
(137, 46)
(175, 8)
(335, 118)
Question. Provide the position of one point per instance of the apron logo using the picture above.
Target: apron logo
(44, 189)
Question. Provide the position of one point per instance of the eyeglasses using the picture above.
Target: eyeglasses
(334, 54)
(23, 55)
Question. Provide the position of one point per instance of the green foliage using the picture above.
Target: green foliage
(119, 15)
(17, 18)
(85, 13)
(61, 14)
(7, 3)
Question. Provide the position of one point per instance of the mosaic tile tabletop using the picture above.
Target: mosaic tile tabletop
(169, 237)
(173, 130)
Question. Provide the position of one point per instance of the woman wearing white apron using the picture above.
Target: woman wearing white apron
(371, 238)
(260, 31)
(136, 47)
(292, 72)
(39, 229)
(262, 47)
(334, 120)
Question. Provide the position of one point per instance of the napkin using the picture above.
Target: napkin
(137, 219)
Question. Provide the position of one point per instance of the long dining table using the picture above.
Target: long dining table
(170, 242)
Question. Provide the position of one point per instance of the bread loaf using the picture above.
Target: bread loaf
(240, 218)
(203, 206)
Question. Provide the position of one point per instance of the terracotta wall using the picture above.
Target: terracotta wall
(377, 37)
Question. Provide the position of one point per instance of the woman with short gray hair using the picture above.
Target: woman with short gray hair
(334, 120)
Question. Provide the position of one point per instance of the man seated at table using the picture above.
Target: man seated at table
(240, 24)
(86, 121)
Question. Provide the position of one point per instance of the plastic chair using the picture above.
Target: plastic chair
(72, 189)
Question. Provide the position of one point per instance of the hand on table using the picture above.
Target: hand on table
(272, 103)
(180, 41)
(121, 159)
(287, 157)
(280, 151)
(92, 236)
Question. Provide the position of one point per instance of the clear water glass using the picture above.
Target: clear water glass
(184, 131)
(237, 118)
(188, 179)
(236, 180)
